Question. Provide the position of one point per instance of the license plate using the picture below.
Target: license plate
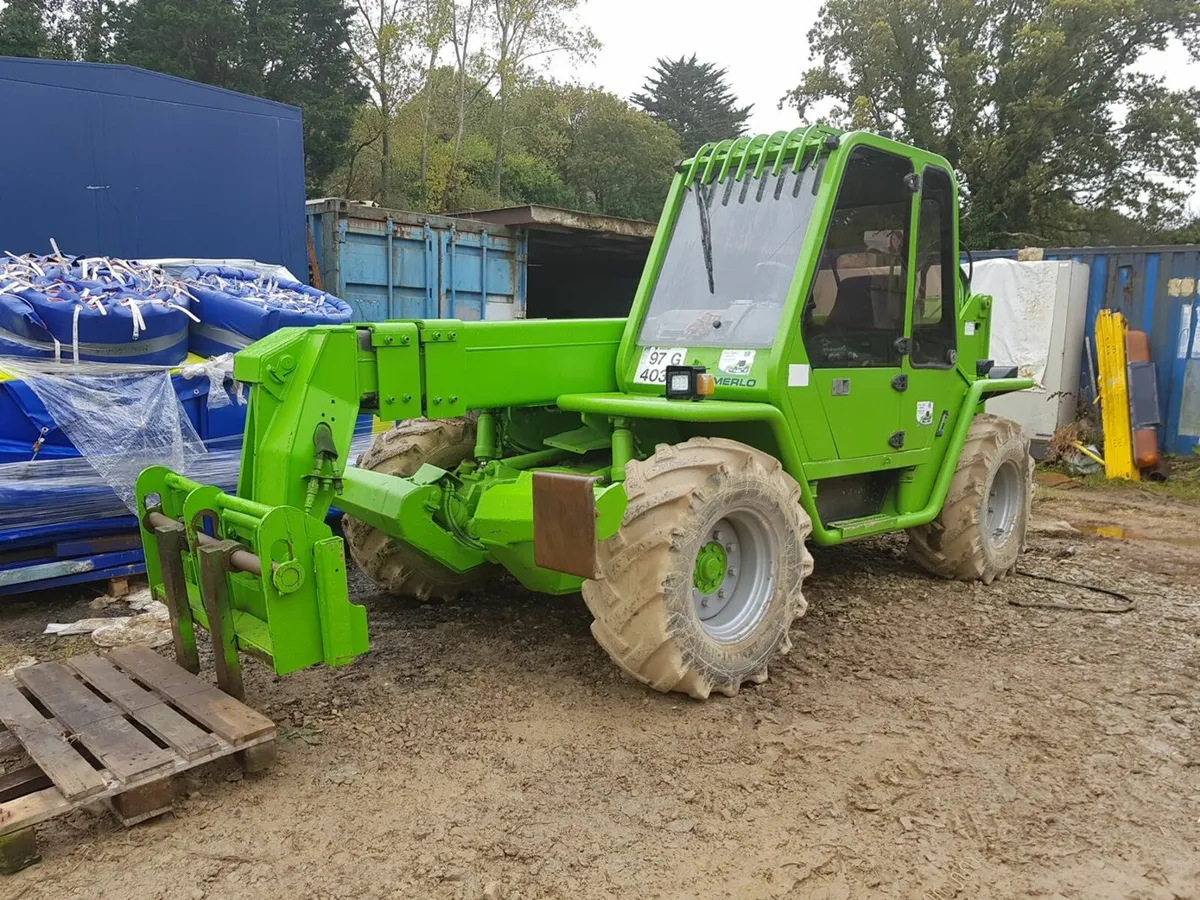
(652, 367)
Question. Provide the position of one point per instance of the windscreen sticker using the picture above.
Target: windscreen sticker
(652, 367)
(736, 362)
(924, 412)
(798, 375)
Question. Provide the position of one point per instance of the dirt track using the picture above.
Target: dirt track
(924, 737)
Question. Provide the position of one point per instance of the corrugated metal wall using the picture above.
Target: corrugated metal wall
(1155, 288)
(390, 264)
(119, 161)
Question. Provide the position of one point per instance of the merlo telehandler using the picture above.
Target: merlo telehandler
(804, 361)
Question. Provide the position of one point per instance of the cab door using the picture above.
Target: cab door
(934, 391)
(854, 320)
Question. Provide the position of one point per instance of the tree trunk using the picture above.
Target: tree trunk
(385, 164)
(500, 134)
(426, 116)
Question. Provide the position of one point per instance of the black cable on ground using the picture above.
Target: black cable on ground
(1128, 606)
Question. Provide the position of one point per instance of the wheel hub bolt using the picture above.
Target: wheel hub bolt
(704, 601)
(720, 595)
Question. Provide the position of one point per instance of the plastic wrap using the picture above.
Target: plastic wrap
(121, 421)
(1024, 295)
(91, 309)
(218, 372)
(175, 266)
(56, 492)
(236, 307)
(28, 431)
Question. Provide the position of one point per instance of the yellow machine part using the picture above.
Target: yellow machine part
(1114, 396)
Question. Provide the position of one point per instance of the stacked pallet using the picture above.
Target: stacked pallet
(116, 728)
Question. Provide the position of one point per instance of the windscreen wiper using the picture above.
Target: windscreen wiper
(706, 237)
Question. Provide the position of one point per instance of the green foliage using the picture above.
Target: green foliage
(1035, 102)
(694, 100)
(296, 52)
(85, 30)
(1185, 234)
(196, 39)
(26, 29)
(566, 146)
(620, 160)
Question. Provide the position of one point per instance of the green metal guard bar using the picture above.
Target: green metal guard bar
(718, 159)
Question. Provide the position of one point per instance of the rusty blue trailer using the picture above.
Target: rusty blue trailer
(390, 264)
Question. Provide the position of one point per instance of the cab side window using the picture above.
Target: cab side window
(854, 316)
(935, 312)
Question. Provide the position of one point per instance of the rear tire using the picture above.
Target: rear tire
(393, 565)
(705, 502)
(981, 529)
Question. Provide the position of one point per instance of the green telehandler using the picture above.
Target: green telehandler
(804, 360)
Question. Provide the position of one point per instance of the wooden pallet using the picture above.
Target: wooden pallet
(114, 728)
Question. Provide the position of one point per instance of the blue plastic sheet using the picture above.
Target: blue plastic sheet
(56, 498)
(93, 309)
(236, 307)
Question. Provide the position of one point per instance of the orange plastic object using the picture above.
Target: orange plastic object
(1145, 440)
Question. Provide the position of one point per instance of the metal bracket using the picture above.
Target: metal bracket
(896, 440)
(900, 383)
(564, 523)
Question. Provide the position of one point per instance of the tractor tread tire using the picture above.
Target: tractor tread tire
(393, 565)
(953, 545)
(642, 600)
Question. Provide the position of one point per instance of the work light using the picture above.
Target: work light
(688, 383)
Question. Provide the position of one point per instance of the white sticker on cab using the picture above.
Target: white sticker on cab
(736, 362)
(924, 412)
(798, 375)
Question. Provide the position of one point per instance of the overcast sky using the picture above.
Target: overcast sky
(764, 55)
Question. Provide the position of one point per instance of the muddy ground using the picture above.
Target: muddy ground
(923, 738)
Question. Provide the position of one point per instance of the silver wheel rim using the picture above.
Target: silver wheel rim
(731, 612)
(1003, 503)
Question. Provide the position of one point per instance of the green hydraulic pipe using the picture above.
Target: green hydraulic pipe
(485, 436)
(240, 519)
(622, 448)
(536, 458)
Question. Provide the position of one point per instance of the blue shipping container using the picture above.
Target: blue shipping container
(389, 264)
(1155, 288)
(117, 161)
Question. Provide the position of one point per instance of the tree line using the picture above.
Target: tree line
(1057, 133)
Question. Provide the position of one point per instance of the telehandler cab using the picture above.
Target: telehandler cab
(804, 360)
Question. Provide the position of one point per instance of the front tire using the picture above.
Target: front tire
(701, 584)
(980, 532)
(393, 565)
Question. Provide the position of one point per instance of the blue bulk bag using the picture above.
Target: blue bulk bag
(237, 307)
(53, 311)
